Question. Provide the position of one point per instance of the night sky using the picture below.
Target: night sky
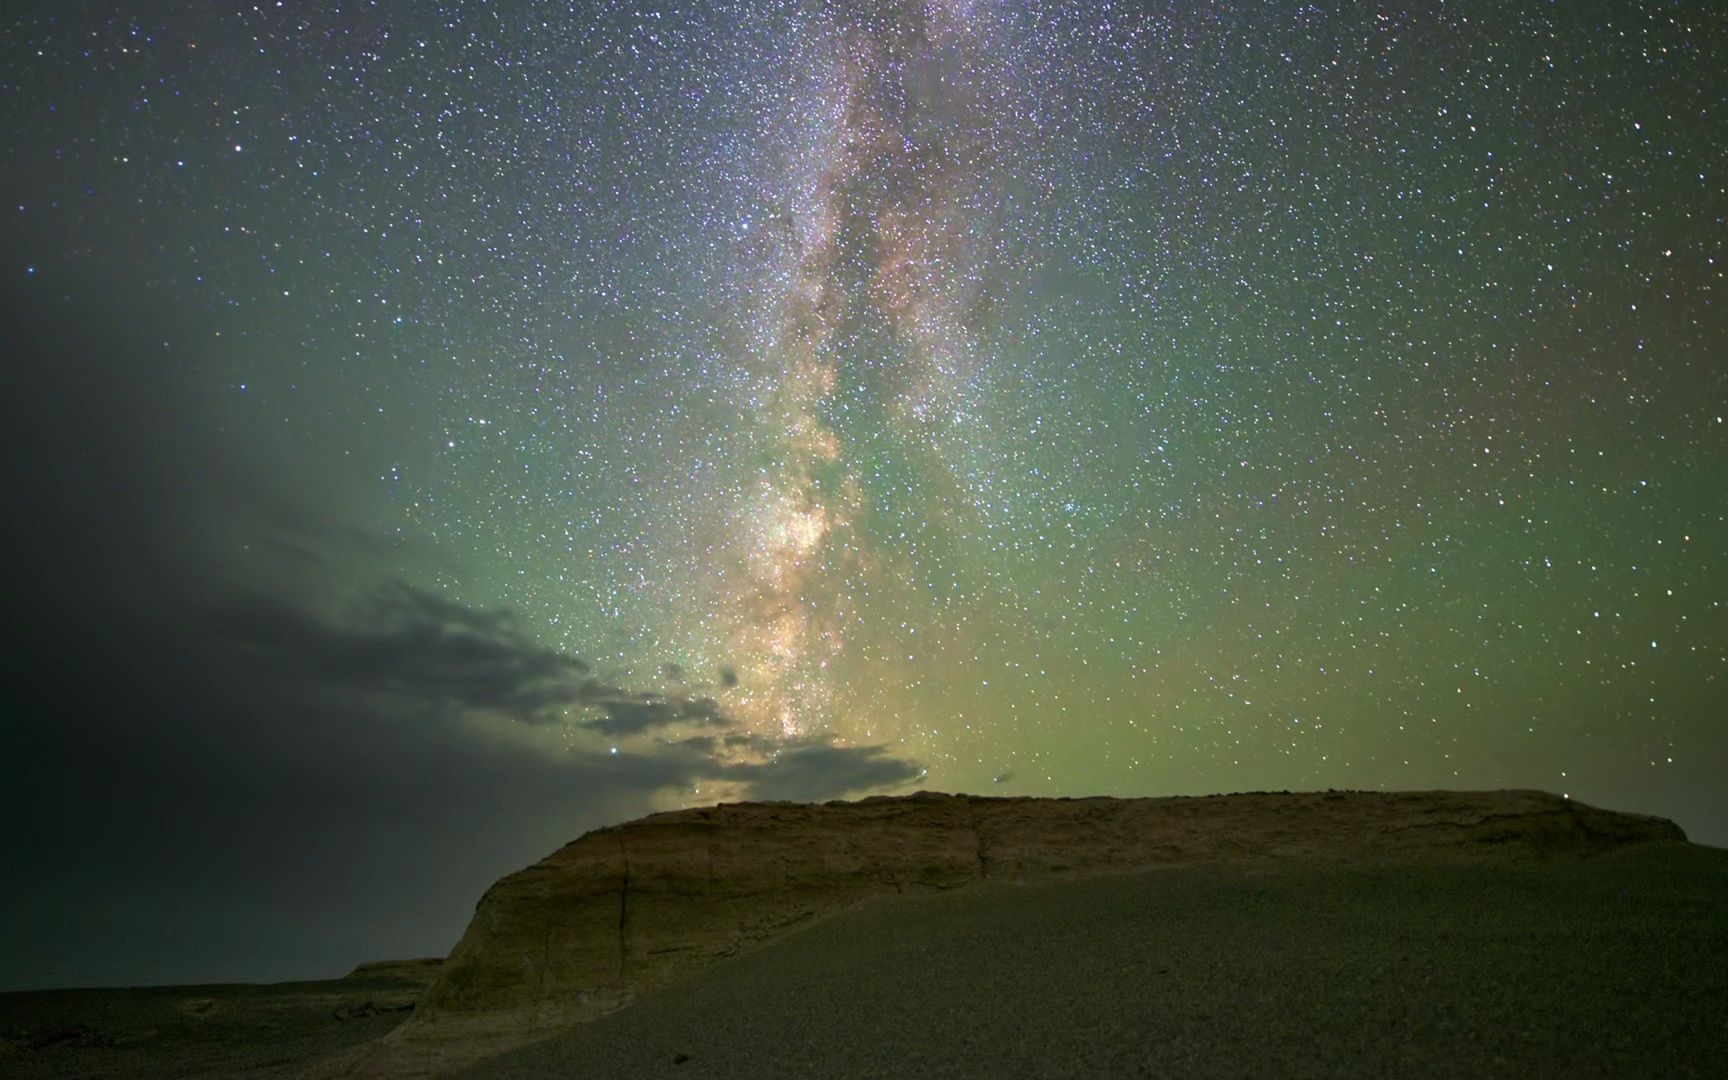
(435, 430)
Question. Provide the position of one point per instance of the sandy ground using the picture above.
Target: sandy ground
(1615, 966)
(233, 1031)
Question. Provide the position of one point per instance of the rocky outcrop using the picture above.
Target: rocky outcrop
(410, 971)
(629, 908)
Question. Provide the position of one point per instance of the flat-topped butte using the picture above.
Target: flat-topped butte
(629, 908)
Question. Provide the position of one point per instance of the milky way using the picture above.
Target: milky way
(881, 227)
(1058, 398)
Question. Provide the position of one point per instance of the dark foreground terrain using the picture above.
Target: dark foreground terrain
(203, 1031)
(1613, 966)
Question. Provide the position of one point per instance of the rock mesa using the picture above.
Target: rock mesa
(629, 908)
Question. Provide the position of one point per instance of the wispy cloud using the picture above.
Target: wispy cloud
(404, 643)
(404, 647)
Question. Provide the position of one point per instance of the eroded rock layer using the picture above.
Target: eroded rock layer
(633, 907)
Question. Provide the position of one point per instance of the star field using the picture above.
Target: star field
(1059, 398)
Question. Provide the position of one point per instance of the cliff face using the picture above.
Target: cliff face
(629, 908)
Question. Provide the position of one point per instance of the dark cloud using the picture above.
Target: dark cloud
(403, 649)
(432, 655)
(806, 769)
(405, 643)
(634, 714)
(816, 768)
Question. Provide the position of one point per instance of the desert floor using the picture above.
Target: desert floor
(201, 1031)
